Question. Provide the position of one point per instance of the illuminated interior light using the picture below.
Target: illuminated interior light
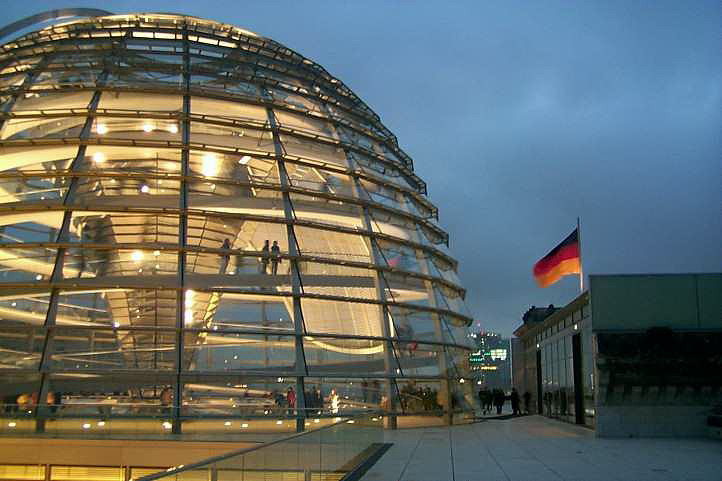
(244, 160)
(101, 129)
(116, 324)
(101, 423)
(156, 253)
(147, 127)
(279, 422)
(316, 421)
(136, 256)
(98, 157)
(461, 381)
(244, 425)
(144, 188)
(39, 277)
(167, 425)
(12, 424)
(86, 426)
(227, 423)
(173, 128)
(209, 166)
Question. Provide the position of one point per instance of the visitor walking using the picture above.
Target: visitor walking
(291, 400)
(527, 402)
(226, 256)
(498, 395)
(275, 257)
(515, 402)
(263, 266)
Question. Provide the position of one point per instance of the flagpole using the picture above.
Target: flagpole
(581, 269)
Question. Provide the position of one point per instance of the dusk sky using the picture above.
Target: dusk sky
(521, 116)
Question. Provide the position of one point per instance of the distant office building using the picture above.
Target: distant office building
(490, 364)
(635, 355)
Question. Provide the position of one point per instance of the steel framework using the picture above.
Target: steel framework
(145, 161)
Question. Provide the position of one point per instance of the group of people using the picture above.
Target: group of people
(487, 398)
(497, 398)
(272, 255)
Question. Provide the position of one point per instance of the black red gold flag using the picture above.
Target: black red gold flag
(563, 260)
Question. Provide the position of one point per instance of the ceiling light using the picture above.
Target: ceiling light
(101, 129)
(227, 423)
(136, 256)
(86, 426)
(144, 188)
(244, 160)
(173, 128)
(209, 167)
(244, 425)
(167, 425)
(147, 127)
(99, 157)
(279, 422)
(12, 424)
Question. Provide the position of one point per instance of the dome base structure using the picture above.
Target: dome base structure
(199, 226)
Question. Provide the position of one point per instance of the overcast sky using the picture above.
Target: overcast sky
(522, 116)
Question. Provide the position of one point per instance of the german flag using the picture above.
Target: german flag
(563, 260)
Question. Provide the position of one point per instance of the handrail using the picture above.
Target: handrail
(222, 457)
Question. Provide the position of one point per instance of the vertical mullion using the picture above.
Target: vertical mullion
(182, 235)
(424, 261)
(57, 273)
(293, 250)
(384, 316)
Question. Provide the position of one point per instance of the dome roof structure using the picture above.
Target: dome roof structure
(195, 218)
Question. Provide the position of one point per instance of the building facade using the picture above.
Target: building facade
(202, 229)
(490, 364)
(635, 355)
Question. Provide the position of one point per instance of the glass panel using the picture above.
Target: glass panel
(131, 160)
(320, 180)
(251, 140)
(23, 307)
(79, 349)
(233, 396)
(338, 395)
(20, 348)
(133, 128)
(241, 168)
(257, 312)
(226, 351)
(109, 265)
(417, 359)
(305, 123)
(31, 264)
(103, 403)
(326, 355)
(314, 150)
(139, 101)
(341, 317)
(232, 110)
(30, 159)
(121, 228)
(42, 128)
(332, 245)
(37, 102)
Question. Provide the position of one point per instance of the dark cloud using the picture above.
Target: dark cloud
(522, 116)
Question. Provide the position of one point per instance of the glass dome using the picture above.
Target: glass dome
(197, 220)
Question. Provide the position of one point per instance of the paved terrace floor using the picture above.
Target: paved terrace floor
(534, 448)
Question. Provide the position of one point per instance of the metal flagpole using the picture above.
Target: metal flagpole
(581, 269)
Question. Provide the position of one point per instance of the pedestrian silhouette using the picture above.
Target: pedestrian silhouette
(275, 257)
(263, 266)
